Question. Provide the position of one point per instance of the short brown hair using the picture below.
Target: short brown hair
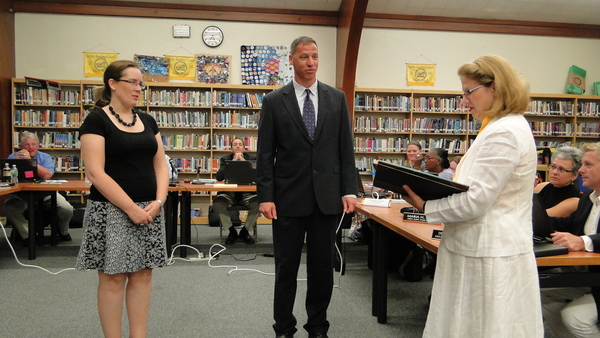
(114, 71)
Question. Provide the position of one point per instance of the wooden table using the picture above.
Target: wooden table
(387, 220)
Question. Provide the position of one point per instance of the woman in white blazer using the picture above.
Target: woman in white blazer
(486, 281)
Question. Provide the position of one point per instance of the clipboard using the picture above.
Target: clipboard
(429, 187)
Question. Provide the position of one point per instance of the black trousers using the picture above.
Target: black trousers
(288, 241)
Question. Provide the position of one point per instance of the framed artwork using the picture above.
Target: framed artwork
(265, 65)
(212, 68)
(154, 68)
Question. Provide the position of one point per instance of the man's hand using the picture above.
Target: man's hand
(349, 203)
(23, 154)
(238, 157)
(567, 239)
(268, 210)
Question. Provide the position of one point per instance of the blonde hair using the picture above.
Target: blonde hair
(595, 147)
(510, 88)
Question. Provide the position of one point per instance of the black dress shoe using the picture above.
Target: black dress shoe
(245, 236)
(318, 335)
(65, 238)
(285, 335)
(233, 236)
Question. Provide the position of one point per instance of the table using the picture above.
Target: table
(185, 190)
(390, 219)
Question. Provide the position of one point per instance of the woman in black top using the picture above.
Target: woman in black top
(124, 235)
(560, 194)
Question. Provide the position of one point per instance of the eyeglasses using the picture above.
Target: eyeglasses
(429, 158)
(468, 93)
(135, 83)
(560, 169)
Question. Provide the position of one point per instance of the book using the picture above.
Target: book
(429, 187)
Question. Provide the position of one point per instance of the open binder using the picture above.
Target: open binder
(429, 187)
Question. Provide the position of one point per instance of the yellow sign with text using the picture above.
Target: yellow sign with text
(182, 67)
(420, 74)
(94, 64)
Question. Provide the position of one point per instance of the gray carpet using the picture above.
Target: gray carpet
(191, 299)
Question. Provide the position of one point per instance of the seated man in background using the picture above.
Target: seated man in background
(226, 199)
(16, 204)
(579, 232)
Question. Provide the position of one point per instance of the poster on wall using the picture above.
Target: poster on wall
(212, 68)
(94, 64)
(181, 67)
(420, 74)
(266, 65)
(153, 68)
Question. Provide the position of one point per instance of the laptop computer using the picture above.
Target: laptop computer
(27, 168)
(542, 244)
(240, 172)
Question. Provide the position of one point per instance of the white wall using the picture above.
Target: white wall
(50, 46)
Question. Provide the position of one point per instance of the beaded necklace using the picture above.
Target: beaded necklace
(112, 111)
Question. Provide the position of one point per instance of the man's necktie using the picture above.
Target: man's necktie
(308, 115)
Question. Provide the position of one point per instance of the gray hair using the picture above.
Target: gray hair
(569, 153)
(28, 134)
(303, 40)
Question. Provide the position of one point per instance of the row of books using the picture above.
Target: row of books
(186, 142)
(50, 139)
(442, 126)
(223, 142)
(439, 104)
(237, 100)
(368, 102)
(398, 145)
(192, 164)
(544, 128)
(184, 119)
(588, 109)
(553, 144)
(179, 98)
(30, 95)
(47, 118)
(67, 163)
(235, 119)
(587, 129)
(560, 108)
(373, 124)
(454, 146)
(365, 164)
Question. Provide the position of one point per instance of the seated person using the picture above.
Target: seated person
(560, 194)
(16, 204)
(579, 232)
(454, 163)
(227, 199)
(436, 162)
(415, 158)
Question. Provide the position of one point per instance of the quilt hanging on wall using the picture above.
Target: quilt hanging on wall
(265, 65)
(212, 68)
(154, 68)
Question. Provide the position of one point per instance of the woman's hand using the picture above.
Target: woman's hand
(413, 199)
(141, 216)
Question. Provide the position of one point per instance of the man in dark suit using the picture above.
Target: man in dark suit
(305, 180)
(579, 232)
(227, 199)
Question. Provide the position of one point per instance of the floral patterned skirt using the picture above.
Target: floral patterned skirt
(113, 244)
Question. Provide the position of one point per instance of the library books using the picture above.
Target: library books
(429, 187)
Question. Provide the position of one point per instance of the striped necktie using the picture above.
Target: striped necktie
(308, 115)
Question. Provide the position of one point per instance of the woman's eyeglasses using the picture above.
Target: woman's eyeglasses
(560, 169)
(467, 93)
(135, 83)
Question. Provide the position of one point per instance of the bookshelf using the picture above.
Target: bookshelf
(385, 120)
(197, 123)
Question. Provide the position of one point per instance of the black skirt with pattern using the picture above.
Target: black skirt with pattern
(113, 244)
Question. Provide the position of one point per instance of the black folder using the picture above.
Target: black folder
(429, 187)
(542, 229)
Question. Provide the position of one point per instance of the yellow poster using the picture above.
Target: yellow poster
(182, 67)
(94, 64)
(420, 74)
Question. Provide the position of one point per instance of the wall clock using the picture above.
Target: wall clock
(212, 36)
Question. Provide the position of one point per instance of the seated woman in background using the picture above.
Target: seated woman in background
(560, 194)
(437, 163)
(415, 158)
(454, 163)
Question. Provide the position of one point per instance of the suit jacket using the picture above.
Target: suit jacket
(295, 172)
(493, 218)
(574, 223)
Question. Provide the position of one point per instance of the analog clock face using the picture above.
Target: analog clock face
(212, 36)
